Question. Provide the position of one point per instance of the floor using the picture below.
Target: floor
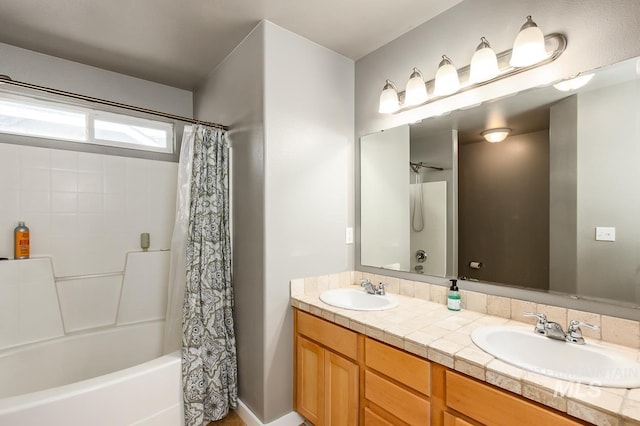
(232, 419)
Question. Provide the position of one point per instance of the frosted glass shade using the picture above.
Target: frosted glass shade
(447, 81)
(574, 83)
(416, 91)
(484, 63)
(389, 102)
(528, 48)
(496, 135)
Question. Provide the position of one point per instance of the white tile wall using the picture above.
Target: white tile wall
(84, 210)
(28, 303)
(89, 302)
(144, 290)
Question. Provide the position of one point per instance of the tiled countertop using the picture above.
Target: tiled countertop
(429, 330)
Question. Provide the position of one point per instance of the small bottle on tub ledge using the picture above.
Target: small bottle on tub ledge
(21, 241)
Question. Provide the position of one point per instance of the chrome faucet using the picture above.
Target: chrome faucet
(371, 288)
(553, 330)
(550, 329)
(574, 334)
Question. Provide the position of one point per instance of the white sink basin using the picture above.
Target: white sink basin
(589, 364)
(357, 300)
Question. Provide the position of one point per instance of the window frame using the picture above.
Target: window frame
(91, 115)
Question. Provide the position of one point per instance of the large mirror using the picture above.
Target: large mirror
(554, 207)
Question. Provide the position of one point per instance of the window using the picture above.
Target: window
(30, 117)
(126, 131)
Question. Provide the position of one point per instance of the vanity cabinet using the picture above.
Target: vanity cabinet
(326, 372)
(490, 406)
(345, 378)
(397, 384)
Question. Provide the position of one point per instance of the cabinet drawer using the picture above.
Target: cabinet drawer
(403, 404)
(472, 398)
(330, 335)
(372, 419)
(407, 369)
(451, 420)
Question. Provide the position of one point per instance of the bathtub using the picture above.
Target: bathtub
(109, 377)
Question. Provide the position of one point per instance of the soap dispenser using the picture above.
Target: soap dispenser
(453, 298)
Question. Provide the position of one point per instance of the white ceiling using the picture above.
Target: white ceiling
(178, 42)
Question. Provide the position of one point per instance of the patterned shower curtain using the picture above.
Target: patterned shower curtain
(209, 368)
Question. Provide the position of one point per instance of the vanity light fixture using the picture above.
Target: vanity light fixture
(496, 135)
(529, 45)
(416, 91)
(389, 98)
(573, 83)
(484, 63)
(529, 51)
(447, 80)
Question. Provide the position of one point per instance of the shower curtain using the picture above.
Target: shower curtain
(209, 366)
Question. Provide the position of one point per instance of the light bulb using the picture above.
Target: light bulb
(528, 48)
(416, 91)
(484, 63)
(447, 81)
(389, 102)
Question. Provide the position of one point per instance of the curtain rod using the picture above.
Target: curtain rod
(8, 80)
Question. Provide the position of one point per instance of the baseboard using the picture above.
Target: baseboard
(291, 419)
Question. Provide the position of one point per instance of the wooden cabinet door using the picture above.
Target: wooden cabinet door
(310, 361)
(341, 391)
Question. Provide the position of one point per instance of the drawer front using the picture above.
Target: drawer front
(330, 335)
(451, 420)
(494, 407)
(400, 402)
(407, 369)
(372, 419)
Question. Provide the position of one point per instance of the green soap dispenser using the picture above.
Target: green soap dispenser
(453, 298)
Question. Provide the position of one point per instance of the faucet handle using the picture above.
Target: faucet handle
(577, 324)
(574, 334)
(365, 282)
(382, 288)
(540, 324)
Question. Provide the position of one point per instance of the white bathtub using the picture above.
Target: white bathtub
(111, 377)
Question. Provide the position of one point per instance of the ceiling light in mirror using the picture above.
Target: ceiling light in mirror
(416, 90)
(573, 83)
(528, 48)
(496, 135)
(484, 63)
(389, 102)
(447, 81)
